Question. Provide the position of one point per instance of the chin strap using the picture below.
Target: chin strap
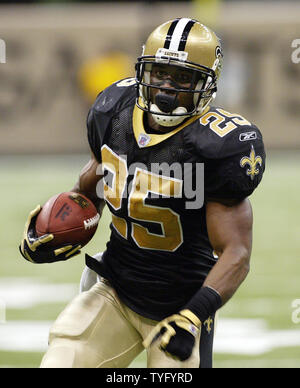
(168, 121)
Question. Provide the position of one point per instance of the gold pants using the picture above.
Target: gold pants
(96, 330)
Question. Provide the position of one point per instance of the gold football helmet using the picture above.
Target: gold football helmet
(183, 43)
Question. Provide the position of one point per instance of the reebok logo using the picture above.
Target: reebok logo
(248, 136)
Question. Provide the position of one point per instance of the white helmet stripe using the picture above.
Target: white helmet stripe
(177, 34)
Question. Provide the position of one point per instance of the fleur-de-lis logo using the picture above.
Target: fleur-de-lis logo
(208, 324)
(252, 161)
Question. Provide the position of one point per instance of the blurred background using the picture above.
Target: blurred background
(56, 56)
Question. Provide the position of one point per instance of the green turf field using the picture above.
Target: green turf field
(255, 328)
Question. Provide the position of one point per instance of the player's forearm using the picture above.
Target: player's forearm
(92, 195)
(98, 202)
(87, 184)
(220, 284)
(229, 272)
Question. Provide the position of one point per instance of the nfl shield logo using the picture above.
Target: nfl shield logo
(143, 140)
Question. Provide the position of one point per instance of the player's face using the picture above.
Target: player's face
(173, 77)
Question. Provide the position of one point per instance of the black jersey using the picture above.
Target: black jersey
(156, 186)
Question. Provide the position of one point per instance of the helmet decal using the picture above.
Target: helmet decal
(219, 52)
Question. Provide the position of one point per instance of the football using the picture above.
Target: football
(71, 217)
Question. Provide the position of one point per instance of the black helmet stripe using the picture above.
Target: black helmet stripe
(178, 33)
(185, 35)
(170, 33)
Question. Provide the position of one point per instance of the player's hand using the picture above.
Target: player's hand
(176, 335)
(35, 249)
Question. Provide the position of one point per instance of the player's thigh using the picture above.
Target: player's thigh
(92, 332)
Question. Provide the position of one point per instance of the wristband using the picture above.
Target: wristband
(204, 303)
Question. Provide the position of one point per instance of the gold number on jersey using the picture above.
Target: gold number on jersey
(238, 119)
(120, 225)
(144, 183)
(219, 118)
(118, 168)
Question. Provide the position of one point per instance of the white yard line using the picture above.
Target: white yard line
(260, 363)
(24, 293)
(252, 337)
(24, 336)
(233, 336)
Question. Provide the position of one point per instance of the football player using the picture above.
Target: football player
(176, 174)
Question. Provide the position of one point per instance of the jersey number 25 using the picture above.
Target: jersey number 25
(144, 182)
